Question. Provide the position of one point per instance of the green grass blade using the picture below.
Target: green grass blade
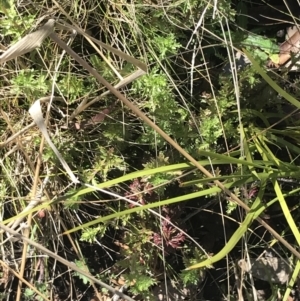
(256, 209)
(286, 211)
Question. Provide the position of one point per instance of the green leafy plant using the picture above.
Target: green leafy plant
(71, 86)
(28, 294)
(82, 265)
(90, 234)
(192, 277)
(261, 47)
(166, 45)
(12, 25)
(106, 160)
(30, 83)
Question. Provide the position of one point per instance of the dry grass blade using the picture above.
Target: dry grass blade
(121, 54)
(29, 42)
(127, 80)
(36, 114)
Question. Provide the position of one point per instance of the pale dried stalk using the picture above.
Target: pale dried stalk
(127, 80)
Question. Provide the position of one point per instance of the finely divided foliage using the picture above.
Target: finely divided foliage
(174, 175)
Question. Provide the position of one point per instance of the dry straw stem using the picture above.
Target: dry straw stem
(69, 264)
(125, 81)
(7, 267)
(31, 125)
(121, 54)
(142, 68)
